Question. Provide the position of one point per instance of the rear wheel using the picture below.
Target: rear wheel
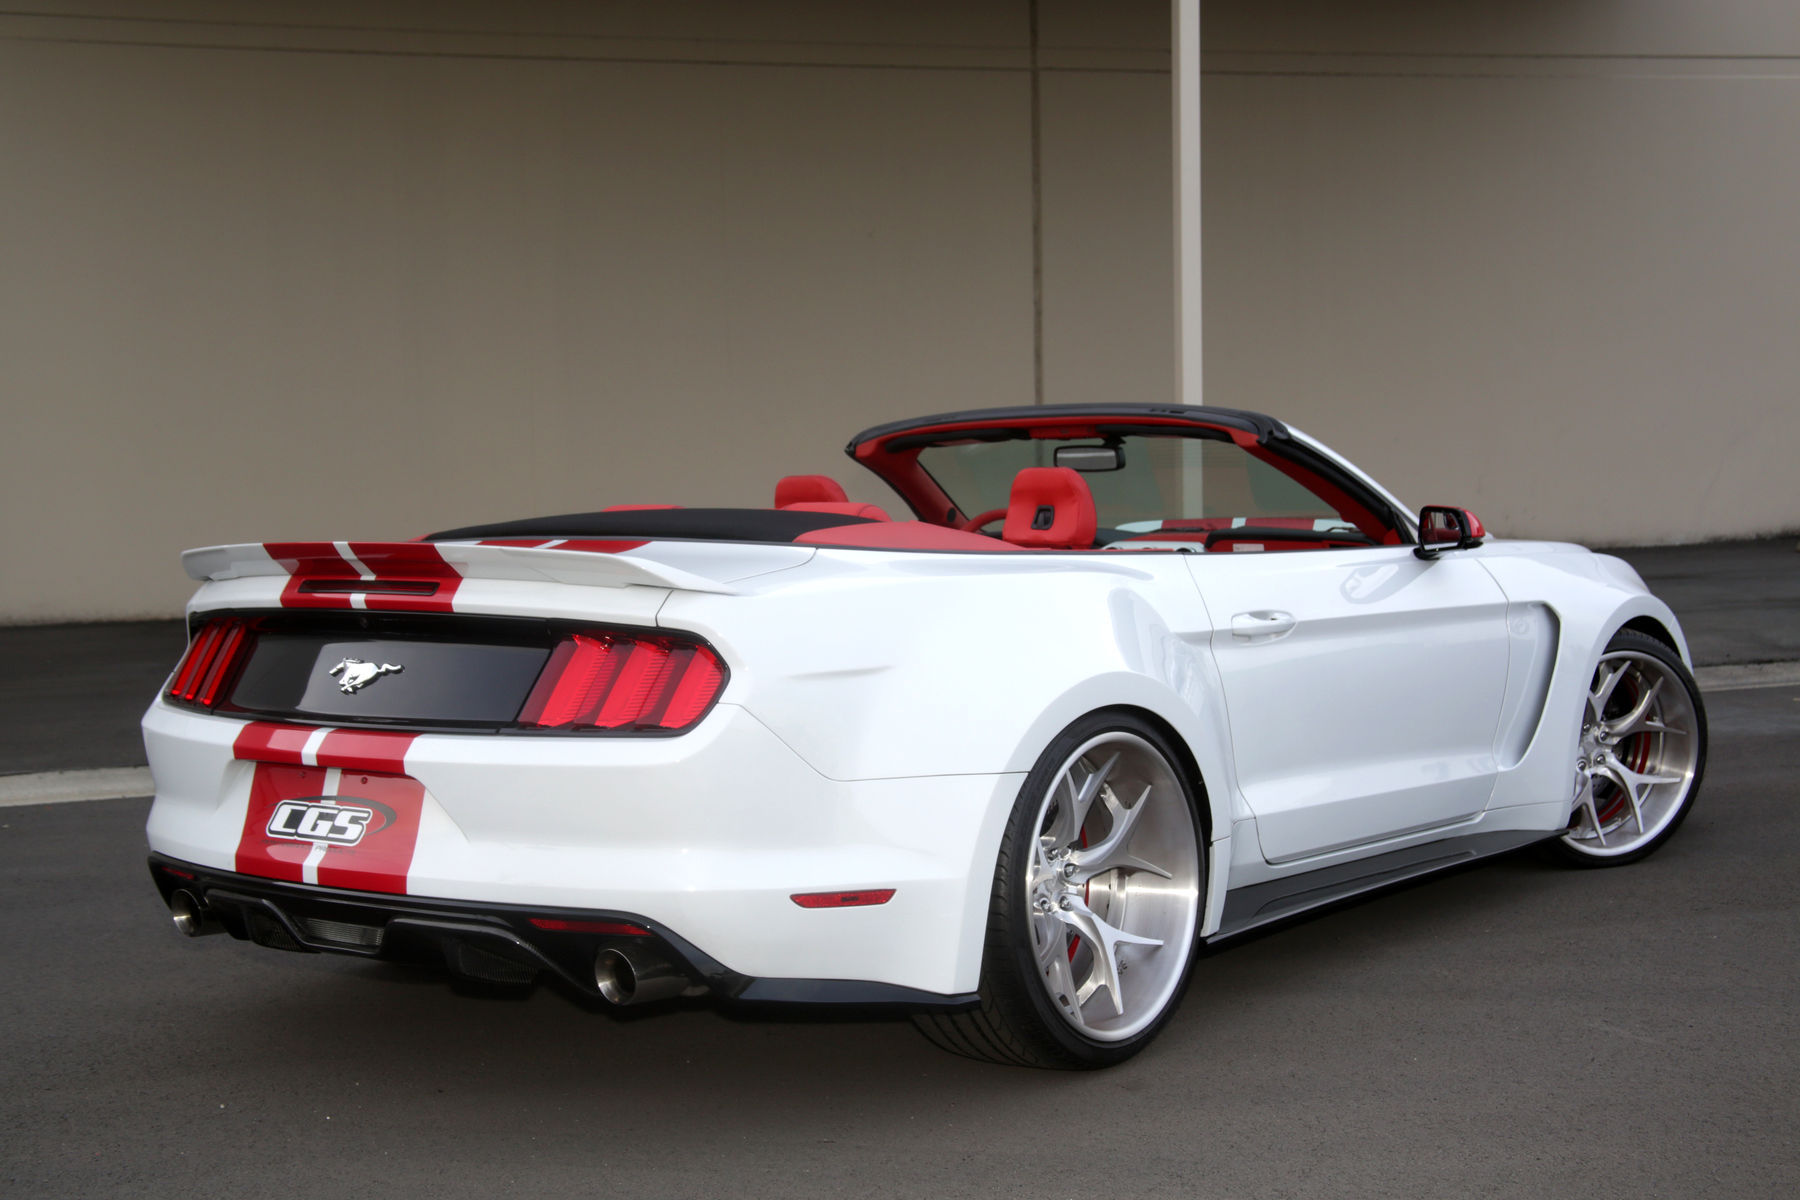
(1643, 750)
(1094, 913)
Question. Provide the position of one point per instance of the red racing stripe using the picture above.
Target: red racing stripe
(267, 741)
(594, 546)
(370, 775)
(353, 749)
(589, 545)
(318, 559)
(366, 750)
(417, 578)
(319, 575)
(408, 561)
(259, 854)
(305, 561)
(380, 862)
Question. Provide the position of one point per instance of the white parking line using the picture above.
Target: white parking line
(1748, 675)
(66, 787)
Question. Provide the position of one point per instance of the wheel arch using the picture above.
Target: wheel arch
(1653, 628)
(1193, 719)
(1645, 614)
(1188, 764)
(1655, 645)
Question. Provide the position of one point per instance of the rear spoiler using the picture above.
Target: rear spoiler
(421, 575)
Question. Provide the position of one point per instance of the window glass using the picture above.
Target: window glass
(1164, 483)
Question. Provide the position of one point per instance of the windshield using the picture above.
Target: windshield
(1161, 482)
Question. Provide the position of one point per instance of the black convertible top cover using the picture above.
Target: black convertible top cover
(710, 524)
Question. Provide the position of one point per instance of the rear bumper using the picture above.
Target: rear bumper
(495, 943)
(706, 837)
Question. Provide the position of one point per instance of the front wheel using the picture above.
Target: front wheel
(1095, 909)
(1642, 752)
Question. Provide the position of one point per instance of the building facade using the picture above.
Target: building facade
(363, 270)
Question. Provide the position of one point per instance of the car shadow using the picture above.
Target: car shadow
(549, 1029)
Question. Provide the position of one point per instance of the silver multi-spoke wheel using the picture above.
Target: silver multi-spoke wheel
(1113, 887)
(1643, 743)
(1094, 913)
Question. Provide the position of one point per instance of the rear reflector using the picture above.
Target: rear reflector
(616, 928)
(626, 682)
(211, 659)
(843, 899)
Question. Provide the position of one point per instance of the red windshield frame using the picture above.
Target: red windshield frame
(893, 455)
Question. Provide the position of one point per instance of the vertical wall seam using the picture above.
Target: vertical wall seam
(1184, 90)
(1037, 214)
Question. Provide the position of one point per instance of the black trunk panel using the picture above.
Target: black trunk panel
(403, 671)
(435, 681)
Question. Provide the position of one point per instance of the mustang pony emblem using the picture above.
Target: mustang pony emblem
(357, 673)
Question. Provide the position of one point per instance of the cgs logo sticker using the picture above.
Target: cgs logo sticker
(322, 819)
(334, 827)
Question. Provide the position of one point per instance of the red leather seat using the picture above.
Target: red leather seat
(848, 508)
(808, 489)
(1050, 508)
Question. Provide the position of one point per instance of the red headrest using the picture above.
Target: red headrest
(849, 508)
(808, 489)
(1050, 508)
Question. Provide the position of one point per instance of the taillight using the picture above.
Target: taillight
(211, 658)
(626, 682)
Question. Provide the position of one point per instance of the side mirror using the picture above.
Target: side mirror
(1444, 528)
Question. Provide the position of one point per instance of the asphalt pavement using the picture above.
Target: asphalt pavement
(1517, 1029)
(1514, 1030)
(1738, 602)
(71, 695)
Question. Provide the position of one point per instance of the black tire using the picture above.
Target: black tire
(1017, 1022)
(1574, 849)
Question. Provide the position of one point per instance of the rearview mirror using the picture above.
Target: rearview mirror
(1089, 459)
(1444, 528)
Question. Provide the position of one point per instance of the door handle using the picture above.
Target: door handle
(1261, 624)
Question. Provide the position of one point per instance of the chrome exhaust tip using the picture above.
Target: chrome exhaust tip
(636, 979)
(192, 917)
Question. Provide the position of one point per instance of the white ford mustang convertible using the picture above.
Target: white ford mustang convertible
(1125, 681)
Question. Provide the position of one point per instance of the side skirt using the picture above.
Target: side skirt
(1250, 908)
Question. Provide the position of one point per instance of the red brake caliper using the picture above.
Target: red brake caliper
(1075, 939)
(1635, 756)
(1640, 755)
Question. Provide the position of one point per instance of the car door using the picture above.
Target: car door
(1363, 687)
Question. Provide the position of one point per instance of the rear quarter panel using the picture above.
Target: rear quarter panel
(878, 665)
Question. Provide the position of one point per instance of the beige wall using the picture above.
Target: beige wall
(362, 270)
(279, 282)
(1542, 259)
(1539, 259)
